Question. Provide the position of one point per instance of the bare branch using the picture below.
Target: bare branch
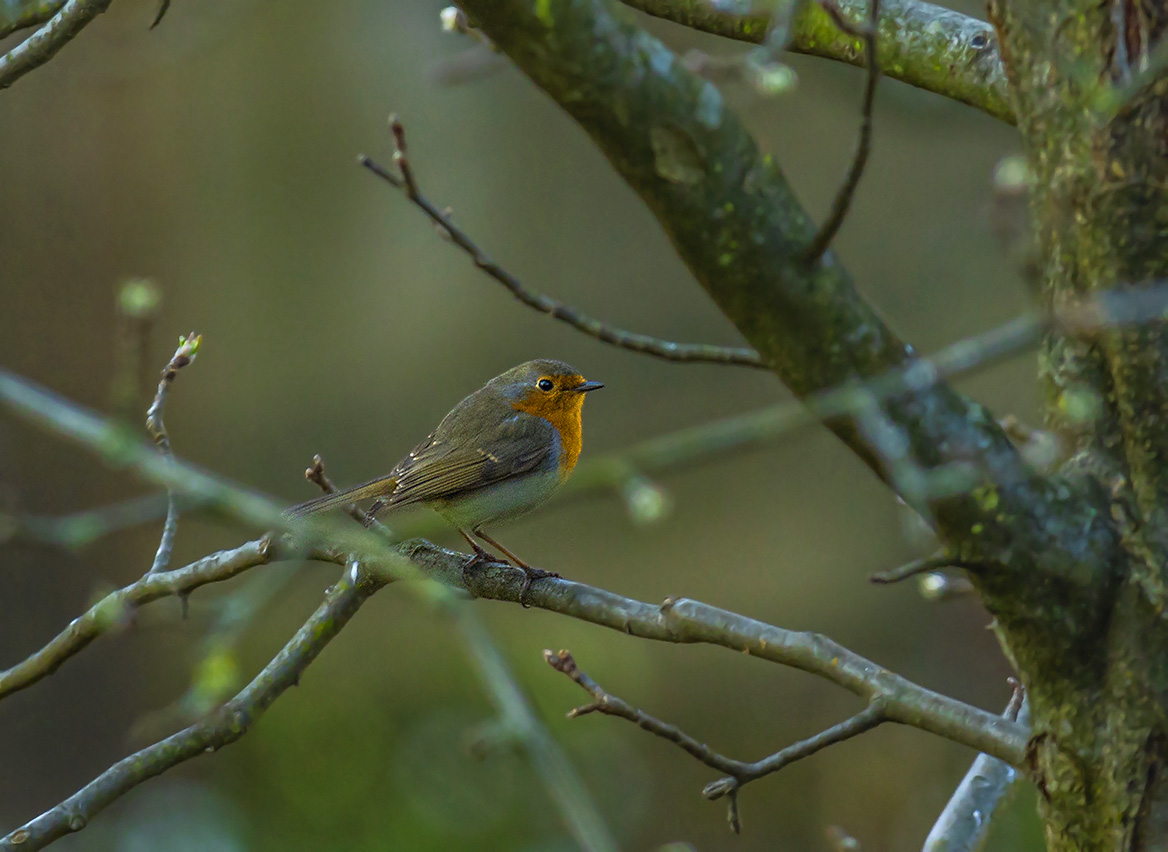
(843, 198)
(920, 566)
(664, 349)
(221, 728)
(188, 349)
(316, 475)
(43, 45)
(926, 46)
(116, 607)
(965, 821)
(739, 773)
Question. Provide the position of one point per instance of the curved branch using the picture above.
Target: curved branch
(43, 45)
(666, 350)
(926, 46)
(188, 348)
(687, 621)
(739, 773)
(223, 727)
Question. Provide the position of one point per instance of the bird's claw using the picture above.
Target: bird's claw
(530, 575)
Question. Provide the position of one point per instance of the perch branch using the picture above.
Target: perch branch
(188, 349)
(927, 46)
(681, 621)
(43, 45)
(515, 715)
(664, 349)
(843, 198)
(739, 773)
(221, 728)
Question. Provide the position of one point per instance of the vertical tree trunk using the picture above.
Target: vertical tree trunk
(1091, 110)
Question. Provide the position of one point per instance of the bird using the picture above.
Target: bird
(501, 452)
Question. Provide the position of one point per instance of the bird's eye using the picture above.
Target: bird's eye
(544, 384)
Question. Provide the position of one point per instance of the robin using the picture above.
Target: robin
(502, 451)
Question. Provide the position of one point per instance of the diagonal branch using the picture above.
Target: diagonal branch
(643, 343)
(43, 45)
(115, 607)
(926, 46)
(221, 728)
(739, 773)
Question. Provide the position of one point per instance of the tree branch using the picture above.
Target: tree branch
(926, 46)
(43, 45)
(188, 349)
(221, 728)
(843, 198)
(115, 607)
(665, 349)
(740, 773)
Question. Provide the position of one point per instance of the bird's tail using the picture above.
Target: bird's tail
(373, 488)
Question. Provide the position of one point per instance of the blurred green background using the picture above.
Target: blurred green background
(216, 156)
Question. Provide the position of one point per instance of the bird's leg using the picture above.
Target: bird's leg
(529, 574)
(371, 513)
(480, 556)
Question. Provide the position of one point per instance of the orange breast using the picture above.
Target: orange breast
(563, 412)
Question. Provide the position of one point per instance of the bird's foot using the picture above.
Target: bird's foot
(480, 559)
(530, 575)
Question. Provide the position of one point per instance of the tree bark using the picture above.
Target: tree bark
(1090, 107)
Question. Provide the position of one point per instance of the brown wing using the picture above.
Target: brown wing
(440, 470)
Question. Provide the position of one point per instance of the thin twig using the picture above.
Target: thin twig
(43, 45)
(920, 566)
(965, 821)
(163, 7)
(738, 773)
(188, 349)
(843, 198)
(115, 608)
(221, 728)
(664, 349)
(316, 475)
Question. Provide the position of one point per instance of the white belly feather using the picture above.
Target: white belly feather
(501, 501)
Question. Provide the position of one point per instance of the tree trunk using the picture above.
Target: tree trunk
(1089, 100)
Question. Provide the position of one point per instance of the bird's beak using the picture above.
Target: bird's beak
(588, 386)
